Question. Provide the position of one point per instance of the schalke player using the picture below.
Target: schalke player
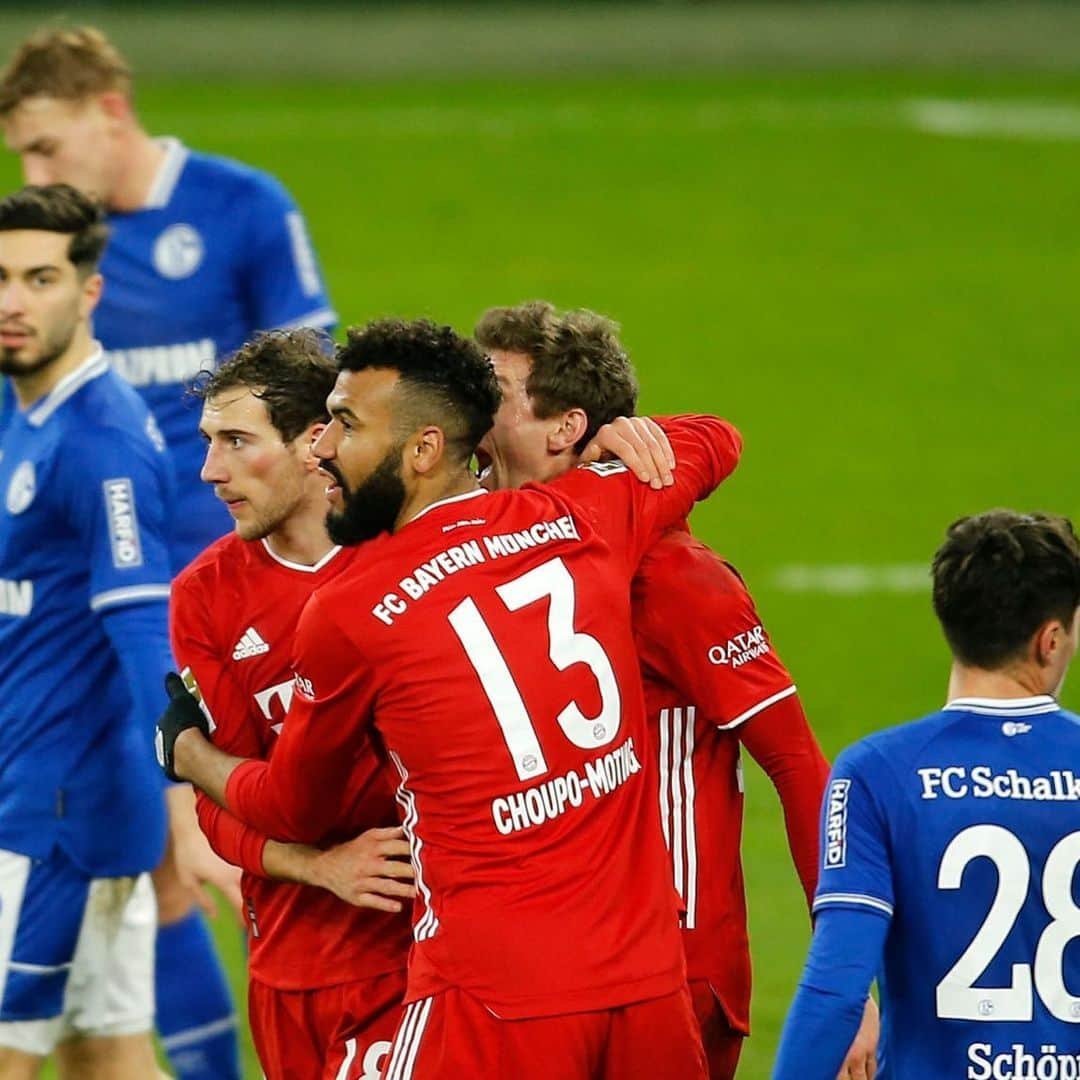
(85, 487)
(950, 845)
(203, 252)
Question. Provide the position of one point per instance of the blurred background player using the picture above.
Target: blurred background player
(326, 978)
(713, 681)
(86, 489)
(950, 845)
(519, 770)
(203, 251)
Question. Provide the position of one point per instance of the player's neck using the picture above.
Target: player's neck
(302, 538)
(460, 482)
(972, 682)
(31, 388)
(142, 159)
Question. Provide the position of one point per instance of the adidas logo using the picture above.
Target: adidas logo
(250, 645)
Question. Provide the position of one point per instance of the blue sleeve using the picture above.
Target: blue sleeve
(856, 862)
(116, 492)
(845, 956)
(281, 277)
(139, 634)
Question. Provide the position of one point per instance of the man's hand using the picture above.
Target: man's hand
(196, 865)
(368, 871)
(640, 444)
(861, 1060)
(183, 712)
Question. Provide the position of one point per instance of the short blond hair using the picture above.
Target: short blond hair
(70, 65)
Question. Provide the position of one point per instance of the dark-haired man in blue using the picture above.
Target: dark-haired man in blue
(85, 490)
(950, 845)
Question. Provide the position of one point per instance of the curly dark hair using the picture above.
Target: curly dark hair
(1001, 575)
(60, 208)
(445, 379)
(578, 361)
(291, 371)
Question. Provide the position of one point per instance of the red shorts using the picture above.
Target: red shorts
(337, 1032)
(723, 1043)
(452, 1034)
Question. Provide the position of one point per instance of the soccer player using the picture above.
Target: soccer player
(950, 845)
(487, 638)
(713, 680)
(203, 252)
(327, 978)
(86, 487)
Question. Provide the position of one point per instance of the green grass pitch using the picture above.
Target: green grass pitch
(889, 312)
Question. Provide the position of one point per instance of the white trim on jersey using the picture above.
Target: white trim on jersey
(300, 567)
(131, 595)
(428, 924)
(761, 706)
(92, 367)
(853, 898)
(1029, 706)
(448, 501)
(317, 319)
(407, 1041)
(677, 798)
(172, 165)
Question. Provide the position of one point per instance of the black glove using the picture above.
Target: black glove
(184, 712)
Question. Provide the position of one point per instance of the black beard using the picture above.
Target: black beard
(373, 507)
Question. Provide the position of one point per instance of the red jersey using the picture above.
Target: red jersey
(233, 616)
(713, 681)
(489, 642)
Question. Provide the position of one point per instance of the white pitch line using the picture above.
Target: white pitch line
(853, 579)
(995, 119)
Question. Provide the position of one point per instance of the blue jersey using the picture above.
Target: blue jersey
(964, 829)
(219, 252)
(85, 486)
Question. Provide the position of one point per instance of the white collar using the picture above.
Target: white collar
(301, 567)
(164, 183)
(447, 501)
(92, 367)
(1029, 706)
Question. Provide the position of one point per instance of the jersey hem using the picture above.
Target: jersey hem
(761, 706)
(859, 900)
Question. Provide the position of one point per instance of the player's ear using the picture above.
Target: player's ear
(307, 440)
(1049, 641)
(115, 106)
(92, 289)
(425, 450)
(571, 426)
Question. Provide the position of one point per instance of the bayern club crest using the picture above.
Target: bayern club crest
(20, 492)
(178, 252)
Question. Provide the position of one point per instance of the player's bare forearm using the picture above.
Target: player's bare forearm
(368, 871)
(195, 758)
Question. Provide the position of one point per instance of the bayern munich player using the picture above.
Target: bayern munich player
(486, 637)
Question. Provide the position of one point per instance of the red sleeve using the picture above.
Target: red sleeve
(706, 450)
(199, 659)
(298, 794)
(697, 630)
(781, 741)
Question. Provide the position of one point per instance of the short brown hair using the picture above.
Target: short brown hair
(70, 65)
(1001, 575)
(578, 361)
(59, 208)
(291, 371)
